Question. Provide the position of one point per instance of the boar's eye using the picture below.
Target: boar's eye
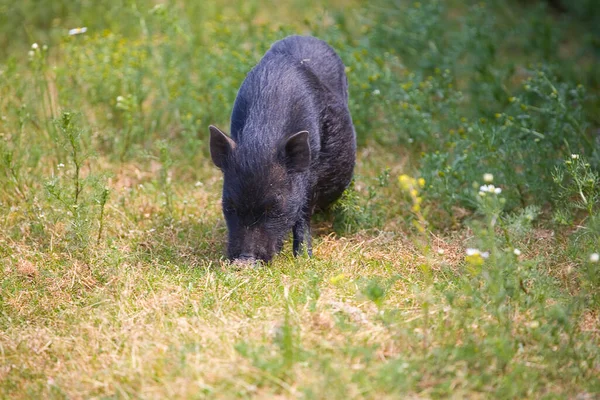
(269, 208)
(272, 210)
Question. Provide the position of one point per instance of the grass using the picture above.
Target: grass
(113, 282)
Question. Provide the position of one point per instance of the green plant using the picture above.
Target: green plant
(578, 189)
(355, 210)
(69, 189)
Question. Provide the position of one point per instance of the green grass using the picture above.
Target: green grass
(113, 282)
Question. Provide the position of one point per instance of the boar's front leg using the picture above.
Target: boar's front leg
(301, 232)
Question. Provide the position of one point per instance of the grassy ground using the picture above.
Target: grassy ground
(423, 284)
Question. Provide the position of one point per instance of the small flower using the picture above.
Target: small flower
(35, 46)
(594, 257)
(517, 252)
(31, 53)
(533, 324)
(471, 251)
(406, 182)
(475, 257)
(489, 189)
(421, 182)
(575, 156)
(77, 31)
(376, 92)
(440, 251)
(61, 165)
(120, 99)
(476, 252)
(198, 184)
(338, 279)
(512, 99)
(488, 178)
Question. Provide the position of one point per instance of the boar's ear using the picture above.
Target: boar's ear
(221, 146)
(297, 152)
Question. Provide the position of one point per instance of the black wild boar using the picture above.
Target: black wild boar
(292, 147)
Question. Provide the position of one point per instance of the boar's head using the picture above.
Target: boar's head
(264, 191)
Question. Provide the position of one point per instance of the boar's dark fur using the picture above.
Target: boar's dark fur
(292, 147)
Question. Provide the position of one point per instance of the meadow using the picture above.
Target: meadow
(461, 263)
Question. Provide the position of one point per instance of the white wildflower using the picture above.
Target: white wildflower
(30, 53)
(440, 251)
(35, 46)
(594, 257)
(575, 156)
(376, 92)
(61, 165)
(77, 31)
(472, 252)
(476, 252)
(517, 252)
(488, 178)
(489, 189)
(198, 184)
(120, 99)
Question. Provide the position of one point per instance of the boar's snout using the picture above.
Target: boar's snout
(246, 257)
(244, 260)
(252, 257)
(252, 245)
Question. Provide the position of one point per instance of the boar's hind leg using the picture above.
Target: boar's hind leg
(301, 232)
